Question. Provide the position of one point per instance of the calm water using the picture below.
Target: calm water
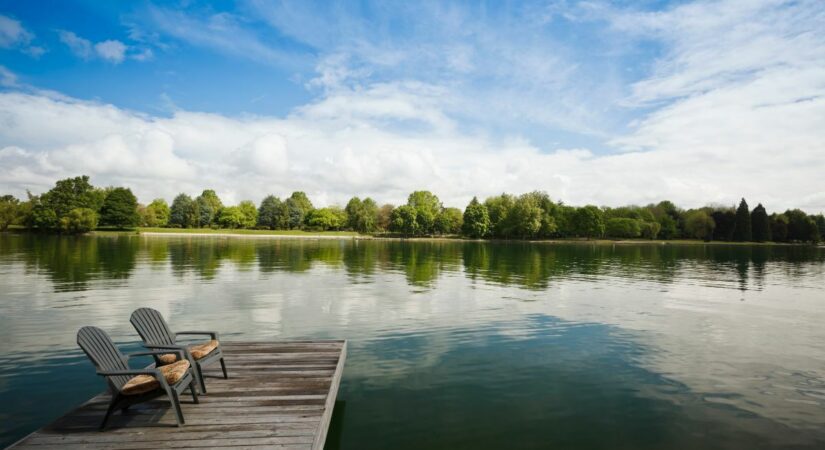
(455, 345)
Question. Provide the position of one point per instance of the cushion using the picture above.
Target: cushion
(142, 384)
(201, 350)
(198, 351)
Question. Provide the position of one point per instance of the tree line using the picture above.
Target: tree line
(74, 205)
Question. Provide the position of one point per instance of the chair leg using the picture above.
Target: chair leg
(199, 373)
(223, 367)
(194, 391)
(109, 412)
(175, 399)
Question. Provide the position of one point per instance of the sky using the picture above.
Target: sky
(599, 102)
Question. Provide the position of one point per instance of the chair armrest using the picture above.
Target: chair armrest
(212, 334)
(114, 373)
(166, 347)
(179, 352)
(173, 349)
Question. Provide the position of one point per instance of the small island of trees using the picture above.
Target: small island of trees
(74, 205)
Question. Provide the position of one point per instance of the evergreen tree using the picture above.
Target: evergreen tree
(184, 212)
(119, 209)
(476, 220)
(206, 214)
(760, 224)
(725, 220)
(742, 229)
(273, 214)
(298, 206)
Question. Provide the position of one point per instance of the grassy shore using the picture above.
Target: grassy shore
(149, 231)
(242, 231)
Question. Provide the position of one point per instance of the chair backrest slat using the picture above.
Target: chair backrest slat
(99, 347)
(151, 327)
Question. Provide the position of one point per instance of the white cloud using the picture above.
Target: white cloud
(82, 48)
(14, 35)
(221, 32)
(332, 154)
(111, 50)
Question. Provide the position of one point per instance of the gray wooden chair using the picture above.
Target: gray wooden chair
(132, 386)
(157, 335)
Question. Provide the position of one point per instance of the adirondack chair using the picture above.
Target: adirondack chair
(132, 386)
(157, 335)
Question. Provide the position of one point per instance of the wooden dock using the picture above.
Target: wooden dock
(278, 395)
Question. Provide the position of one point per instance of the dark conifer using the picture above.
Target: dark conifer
(760, 224)
(742, 232)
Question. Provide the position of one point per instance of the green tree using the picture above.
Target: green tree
(725, 220)
(524, 218)
(548, 212)
(742, 230)
(650, 230)
(205, 213)
(404, 219)
(449, 221)
(302, 200)
(699, 224)
(273, 214)
(779, 227)
(66, 195)
(9, 211)
(760, 224)
(298, 206)
(820, 224)
(589, 222)
(427, 206)
(623, 227)
(230, 217)
(119, 209)
(184, 212)
(476, 220)
(362, 216)
(211, 198)
(249, 212)
(330, 218)
(78, 220)
(566, 220)
(668, 216)
(499, 208)
(159, 209)
(384, 217)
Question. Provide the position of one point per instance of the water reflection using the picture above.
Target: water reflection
(71, 262)
(657, 346)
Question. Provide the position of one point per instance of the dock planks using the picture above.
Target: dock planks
(279, 395)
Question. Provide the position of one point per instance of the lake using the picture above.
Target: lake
(455, 344)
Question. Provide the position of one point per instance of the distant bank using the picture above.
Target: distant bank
(350, 235)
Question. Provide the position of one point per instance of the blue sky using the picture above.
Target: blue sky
(594, 102)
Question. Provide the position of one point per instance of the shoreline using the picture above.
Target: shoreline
(344, 235)
(253, 235)
(366, 237)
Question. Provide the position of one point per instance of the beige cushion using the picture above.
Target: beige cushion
(201, 350)
(142, 384)
(198, 351)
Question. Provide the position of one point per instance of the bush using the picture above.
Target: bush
(79, 220)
